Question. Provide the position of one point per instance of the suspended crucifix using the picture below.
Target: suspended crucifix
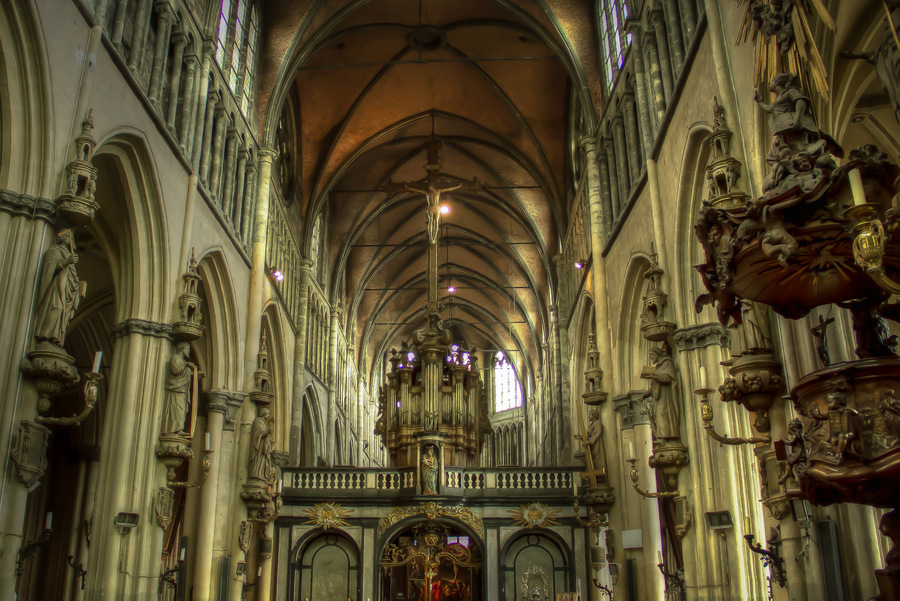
(432, 192)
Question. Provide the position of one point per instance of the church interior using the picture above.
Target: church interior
(421, 300)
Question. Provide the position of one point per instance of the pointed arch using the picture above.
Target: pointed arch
(26, 120)
(220, 312)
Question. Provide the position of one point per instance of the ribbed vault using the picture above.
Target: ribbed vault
(370, 85)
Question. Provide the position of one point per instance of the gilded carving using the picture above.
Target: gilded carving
(534, 515)
(30, 453)
(245, 536)
(327, 515)
(432, 511)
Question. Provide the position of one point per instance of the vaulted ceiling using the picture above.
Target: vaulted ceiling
(367, 86)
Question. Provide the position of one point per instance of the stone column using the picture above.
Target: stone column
(673, 32)
(662, 46)
(196, 141)
(632, 137)
(264, 585)
(300, 359)
(611, 165)
(228, 175)
(621, 161)
(247, 208)
(141, 24)
(129, 469)
(329, 367)
(206, 146)
(176, 68)
(649, 511)
(82, 552)
(161, 52)
(655, 79)
(238, 194)
(689, 19)
(218, 155)
(216, 408)
(648, 133)
(118, 26)
(605, 191)
(188, 102)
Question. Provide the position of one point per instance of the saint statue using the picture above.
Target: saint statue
(665, 411)
(261, 445)
(754, 334)
(60, 291)
(594, 443)
(179, 381)
(430, 468)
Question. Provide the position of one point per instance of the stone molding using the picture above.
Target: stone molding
(143, 327)
(630, 406)
(702, 336)
(23, 205)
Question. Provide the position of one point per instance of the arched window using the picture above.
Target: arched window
(236, 39)
(614, 41)
(507, 392)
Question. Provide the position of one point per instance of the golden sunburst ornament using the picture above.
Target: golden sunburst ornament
(535, 515)
(327, 515)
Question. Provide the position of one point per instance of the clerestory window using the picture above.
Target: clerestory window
(614, 40)
(237, 35)
(507, 392)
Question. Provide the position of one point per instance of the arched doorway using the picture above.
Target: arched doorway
(326, 566)
(431, 561)
(535, 567)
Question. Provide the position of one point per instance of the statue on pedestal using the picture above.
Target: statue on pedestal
(180, 374)
(665, 413)
(261, 445)
(60, 291)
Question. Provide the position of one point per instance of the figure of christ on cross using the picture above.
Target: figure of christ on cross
(432, 195)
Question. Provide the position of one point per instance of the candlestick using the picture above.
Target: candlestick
(856, 187)
(49, 521)
(97, 356)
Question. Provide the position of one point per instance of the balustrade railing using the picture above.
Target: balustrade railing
(306, 482)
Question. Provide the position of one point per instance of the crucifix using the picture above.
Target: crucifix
(432, 193)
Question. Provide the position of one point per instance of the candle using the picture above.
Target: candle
(49, 521)
(259, 572)
(856, 187)
(746, 525)
(208, 441)
(181, 556)
(97, 356)
(630, 450)
(702, 376)
(659, 557)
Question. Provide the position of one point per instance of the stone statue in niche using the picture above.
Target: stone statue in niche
(60, 290)
(261, 445)
(664, 409)
(430, 469)
(180, 374)
(594, 442)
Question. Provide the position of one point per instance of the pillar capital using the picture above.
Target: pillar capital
(267, 154)
(588, 144)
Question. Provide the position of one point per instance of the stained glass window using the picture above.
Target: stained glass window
(249, 61)
(222, 32)
(507, 393)
(614, 40)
